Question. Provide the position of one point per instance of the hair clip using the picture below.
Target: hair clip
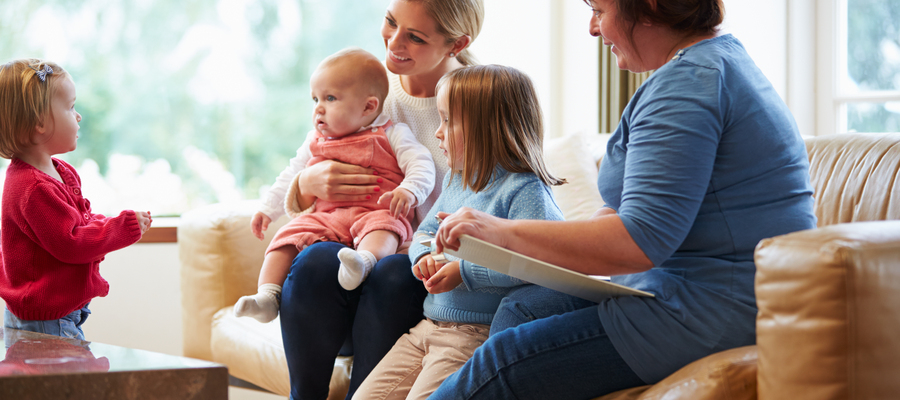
(42, 73)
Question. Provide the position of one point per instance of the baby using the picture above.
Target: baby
(349, 88)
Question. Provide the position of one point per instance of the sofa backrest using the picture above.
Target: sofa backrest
(856, 177)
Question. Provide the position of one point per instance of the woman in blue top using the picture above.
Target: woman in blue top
(705, 163)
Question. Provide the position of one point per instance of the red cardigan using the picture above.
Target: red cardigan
(51, 244)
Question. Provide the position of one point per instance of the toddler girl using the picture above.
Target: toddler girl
(51, 244)
(491, 132)
(349, 89)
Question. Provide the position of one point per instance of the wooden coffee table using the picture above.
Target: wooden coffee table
(38, 366)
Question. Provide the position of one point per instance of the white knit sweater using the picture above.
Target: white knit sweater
(423, 119)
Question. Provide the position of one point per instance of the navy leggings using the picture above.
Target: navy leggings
(320, 319)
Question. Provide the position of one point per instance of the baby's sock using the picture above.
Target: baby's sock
(355, 267)
(263, 306)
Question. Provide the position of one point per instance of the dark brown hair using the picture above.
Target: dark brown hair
(501, 120)
(696, 17)
(692, 17)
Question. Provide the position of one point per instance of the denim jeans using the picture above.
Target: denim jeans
(318, 317)
(566, 355)
(68, 326)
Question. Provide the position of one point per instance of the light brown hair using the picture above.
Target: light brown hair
(370, 76)
(24, 101)
(502, 123)
(455, 19)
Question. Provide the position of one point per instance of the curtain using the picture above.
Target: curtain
(616, 88)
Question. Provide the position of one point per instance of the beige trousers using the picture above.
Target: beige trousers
(422, 359)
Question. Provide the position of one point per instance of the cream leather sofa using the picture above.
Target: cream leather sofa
(829, 298)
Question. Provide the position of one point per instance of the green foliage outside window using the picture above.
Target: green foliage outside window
(183, 86)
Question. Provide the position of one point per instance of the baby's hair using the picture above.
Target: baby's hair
(501, 120)
(25, 91)
(370, 75)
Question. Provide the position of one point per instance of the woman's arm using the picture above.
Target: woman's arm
(598, 246)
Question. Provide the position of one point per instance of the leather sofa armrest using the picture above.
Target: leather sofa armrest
(220, 261)
(829, 312)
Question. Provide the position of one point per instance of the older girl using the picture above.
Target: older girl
(492, 135)
(424, 39)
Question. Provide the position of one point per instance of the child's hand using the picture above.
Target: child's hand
(426, 267)
(144, 220)
(445, 280)
(401, 201)
(259, 224)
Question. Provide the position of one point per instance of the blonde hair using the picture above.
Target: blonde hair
(369, 77)
(455, 19)
(501, 120)
(24, 101)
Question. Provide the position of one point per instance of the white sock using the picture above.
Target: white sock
(263, 306)
(355, 267)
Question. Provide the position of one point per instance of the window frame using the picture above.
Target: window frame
(831, 48)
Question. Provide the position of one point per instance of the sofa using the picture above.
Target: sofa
(829, 298)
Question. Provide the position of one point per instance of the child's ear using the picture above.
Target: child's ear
(40, 128)
(371, 105)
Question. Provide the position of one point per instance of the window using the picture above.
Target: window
(859, 61)
(186, 102)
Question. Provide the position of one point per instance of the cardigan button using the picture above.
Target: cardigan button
(86, 216)
(77, 191)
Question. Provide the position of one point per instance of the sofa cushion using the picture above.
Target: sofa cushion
(254, 352)
(855, 177)
(727, 375)
(575, 159)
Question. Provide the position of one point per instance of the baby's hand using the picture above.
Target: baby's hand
(259, 224)
(426, 267)
(144, 220)
(401, 201)
(444, 280)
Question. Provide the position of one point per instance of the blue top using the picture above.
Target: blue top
(510, 196)
(706, 161)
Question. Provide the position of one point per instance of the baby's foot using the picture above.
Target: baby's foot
(262, 306)
(355, 267)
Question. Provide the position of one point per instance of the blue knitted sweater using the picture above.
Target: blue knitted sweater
(509, 195)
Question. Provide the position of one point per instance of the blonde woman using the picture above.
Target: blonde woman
(424, 39)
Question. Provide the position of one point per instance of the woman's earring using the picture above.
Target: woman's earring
(452, 55)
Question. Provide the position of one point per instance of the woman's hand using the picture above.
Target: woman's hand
(259, 224)
(445, 279)
(467, 221)
(335, 181)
